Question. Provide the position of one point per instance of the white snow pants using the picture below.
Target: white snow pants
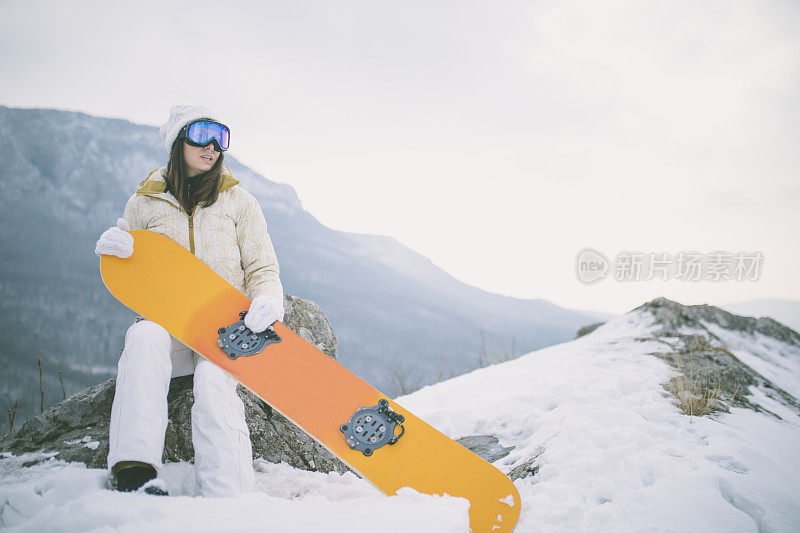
(220, 436)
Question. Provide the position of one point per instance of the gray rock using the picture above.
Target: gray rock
(487, 447)
(673, 315)
(528, 468)
(712, 378)
(64, 428)
(585, 330)
(307, 319)
(77, 428)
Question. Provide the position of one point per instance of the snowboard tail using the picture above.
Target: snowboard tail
(168, 285)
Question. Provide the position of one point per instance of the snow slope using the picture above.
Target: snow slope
(613, 454)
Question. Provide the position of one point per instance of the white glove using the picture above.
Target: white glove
(116, 241)
(263, 312)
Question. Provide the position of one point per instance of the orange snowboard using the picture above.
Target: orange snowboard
(168, 285)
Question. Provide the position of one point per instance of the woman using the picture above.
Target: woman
(197, 204)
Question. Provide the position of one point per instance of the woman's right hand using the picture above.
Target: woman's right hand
(115, 241)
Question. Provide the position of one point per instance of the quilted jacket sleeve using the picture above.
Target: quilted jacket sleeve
(260, 265)
(131, 214)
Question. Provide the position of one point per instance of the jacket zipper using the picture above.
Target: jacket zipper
(189, 184)
(191, 230)
(191, 221)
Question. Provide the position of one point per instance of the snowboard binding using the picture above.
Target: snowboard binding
(237, 340)
(372, 427)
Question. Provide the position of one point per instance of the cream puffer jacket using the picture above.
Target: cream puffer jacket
(230, 236)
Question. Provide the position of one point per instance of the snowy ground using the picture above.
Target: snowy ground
(614, 453)
(67, 497)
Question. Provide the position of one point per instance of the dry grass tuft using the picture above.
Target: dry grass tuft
(696, 393)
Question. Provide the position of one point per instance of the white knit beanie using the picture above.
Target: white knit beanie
(179, 116)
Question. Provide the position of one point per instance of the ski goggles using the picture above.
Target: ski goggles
(202, 132)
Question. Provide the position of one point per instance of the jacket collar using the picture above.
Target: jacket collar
(155, 186)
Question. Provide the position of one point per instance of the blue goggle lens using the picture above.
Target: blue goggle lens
(203, 132)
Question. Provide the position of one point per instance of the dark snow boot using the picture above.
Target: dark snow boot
(155, 487)
(130, 476)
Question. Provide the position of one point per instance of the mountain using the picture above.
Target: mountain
(669, 418)
(400, 320)
(786, 311)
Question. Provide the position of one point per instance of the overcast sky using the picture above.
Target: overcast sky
(497, 138)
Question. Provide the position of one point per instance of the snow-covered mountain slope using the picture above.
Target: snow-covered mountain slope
(588, 429)
(784, 311)
(611, 450)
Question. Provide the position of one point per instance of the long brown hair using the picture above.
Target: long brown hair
(204, 187)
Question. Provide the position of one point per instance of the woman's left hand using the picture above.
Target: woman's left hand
(263, 312)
